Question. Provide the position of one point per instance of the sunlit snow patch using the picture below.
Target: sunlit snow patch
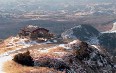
(2, 61)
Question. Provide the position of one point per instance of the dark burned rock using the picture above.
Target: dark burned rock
(51, 63)
(24, 59)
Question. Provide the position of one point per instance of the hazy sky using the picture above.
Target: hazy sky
(42, 2)
(5, 1)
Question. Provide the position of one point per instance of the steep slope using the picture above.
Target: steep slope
(93, 36)
(108, 40)
(82, 32)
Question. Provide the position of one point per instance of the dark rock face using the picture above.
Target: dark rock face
(92, 36)
(81, 32)
(85, 32)
(108, 40)
(24, 59)
(88, 59)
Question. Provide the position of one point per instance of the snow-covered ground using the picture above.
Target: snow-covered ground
(110, 31)
(2, 61)
(43, 50)
(64, 46)
(6, 57)
(16, 41)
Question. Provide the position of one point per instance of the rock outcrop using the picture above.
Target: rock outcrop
(93, 36)
(24, 59)
(80, 58)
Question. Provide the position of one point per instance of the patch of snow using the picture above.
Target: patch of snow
(5, 54)
(69, 46)
(26, 46)
(31, 26)
(60, 53)
(60, 59)
(96, 47)
(9, 52)
(64, 46)
(19, 44)
(68, 34)
(109, 31)
(32, 43)
(73, 42)
(79, 26)
(48, 42)
(24, 43)
(43, 50)
(2, 61)
(55, 41)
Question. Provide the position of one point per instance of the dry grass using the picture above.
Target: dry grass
(41, 46)
(55, 52)
(57, 49)
(12, 67)
(4, 48)
(2, 45)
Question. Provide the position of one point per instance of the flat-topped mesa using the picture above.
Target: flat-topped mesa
(35, 32)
